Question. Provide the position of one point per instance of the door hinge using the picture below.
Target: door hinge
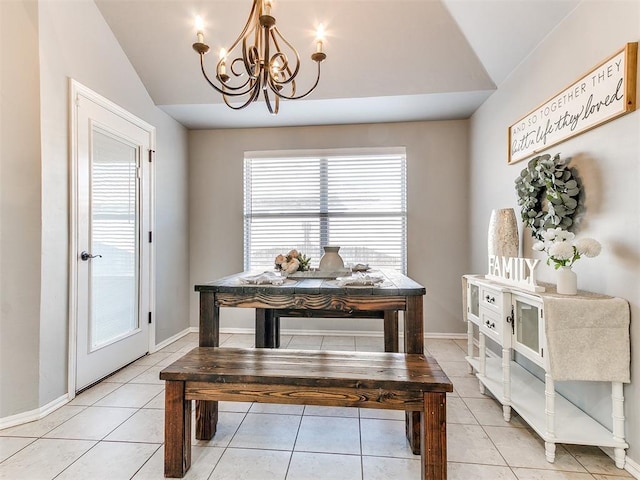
(149, 317)
(542, 352)
(151, 154)
(150, 237)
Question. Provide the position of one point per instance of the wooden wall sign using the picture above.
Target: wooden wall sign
(606, 92)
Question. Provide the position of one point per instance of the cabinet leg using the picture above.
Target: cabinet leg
(506, 413)
(482, 368)
(620, 457)
(617, 400)
(550, 451)
(470, 343)
(506, 384)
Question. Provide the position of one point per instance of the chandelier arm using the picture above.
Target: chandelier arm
(222, 90)
(206, 77)
(241, 86)
(255, 90)
(266, 67)
(267, 101)
(246, 31)
(293, 97)
(250, 57)
(293, 74)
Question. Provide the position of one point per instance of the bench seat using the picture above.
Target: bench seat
(410, 382)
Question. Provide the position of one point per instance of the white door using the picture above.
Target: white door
(112, 216)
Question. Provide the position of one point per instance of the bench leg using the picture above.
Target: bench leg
(412, 429)
(206, 419)
(414, 343)
(177, 431)
(433, 429)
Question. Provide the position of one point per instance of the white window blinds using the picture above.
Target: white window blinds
(357, 202)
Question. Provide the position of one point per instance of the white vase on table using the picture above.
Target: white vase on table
(567, 281)
(331, 261)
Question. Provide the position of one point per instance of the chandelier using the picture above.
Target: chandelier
(264, 62)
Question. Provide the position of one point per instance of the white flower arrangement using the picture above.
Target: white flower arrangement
(292, 262)
(562, 248)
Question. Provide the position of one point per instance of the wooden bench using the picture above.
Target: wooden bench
(397, 381)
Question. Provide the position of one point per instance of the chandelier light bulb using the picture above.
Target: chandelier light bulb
(199, 29)
(319, 38)
(222, 66)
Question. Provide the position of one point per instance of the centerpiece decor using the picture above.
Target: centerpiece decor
(331, 260)
(292, 262)
(563, 251)
(549, 194)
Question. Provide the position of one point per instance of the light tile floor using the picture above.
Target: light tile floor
(115, 431)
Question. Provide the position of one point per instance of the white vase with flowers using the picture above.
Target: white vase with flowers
(563, 250)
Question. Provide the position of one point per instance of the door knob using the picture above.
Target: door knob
(86, 256)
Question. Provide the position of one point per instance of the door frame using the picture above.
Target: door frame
(77, 90)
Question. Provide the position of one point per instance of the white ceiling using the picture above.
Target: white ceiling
(387, 61)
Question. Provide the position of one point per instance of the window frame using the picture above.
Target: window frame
(323, 155)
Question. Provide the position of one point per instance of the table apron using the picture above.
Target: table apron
(342, 303)
(408, 400)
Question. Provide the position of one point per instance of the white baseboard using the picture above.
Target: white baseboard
(632, 467)
(172, 339)
(629, 465)
(35, 414)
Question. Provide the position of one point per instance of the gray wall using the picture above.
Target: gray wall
(20, 172)
(606, 158)
(74, 41)
(437, 165)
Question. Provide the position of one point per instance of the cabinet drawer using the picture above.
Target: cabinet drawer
(491, 299)
(491, 325)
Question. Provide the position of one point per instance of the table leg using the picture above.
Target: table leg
(177, 431)
(209, 320)
(267, 328)
(391, 331)
(433, 429)
(206, 410)
(413, 343)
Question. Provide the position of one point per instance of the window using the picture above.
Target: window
(305, 201)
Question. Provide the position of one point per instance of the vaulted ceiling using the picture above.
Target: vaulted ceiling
(387, 61)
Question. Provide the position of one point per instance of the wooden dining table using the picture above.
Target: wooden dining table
(312, 297)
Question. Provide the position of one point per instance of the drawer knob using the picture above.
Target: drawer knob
(490, 299)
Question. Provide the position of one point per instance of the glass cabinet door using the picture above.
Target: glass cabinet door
(474, 300)
(527, 329)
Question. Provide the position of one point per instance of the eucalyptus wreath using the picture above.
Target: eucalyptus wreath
(548, 194)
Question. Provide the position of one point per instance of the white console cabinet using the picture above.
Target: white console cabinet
(514, 320)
